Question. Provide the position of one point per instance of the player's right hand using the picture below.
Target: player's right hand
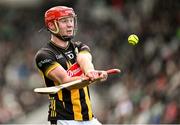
(95, 75)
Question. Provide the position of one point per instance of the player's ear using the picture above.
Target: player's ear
(51, 26)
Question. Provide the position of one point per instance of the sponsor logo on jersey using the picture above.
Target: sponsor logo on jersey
(69, 54)
(43, 62)
(75, 70)
(59, 56)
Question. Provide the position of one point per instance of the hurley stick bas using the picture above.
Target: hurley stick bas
(70, 85)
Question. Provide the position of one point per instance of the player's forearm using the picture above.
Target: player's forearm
(60, 76)
(85, 62)
(68, 79)
(86, 66)
(65, 79)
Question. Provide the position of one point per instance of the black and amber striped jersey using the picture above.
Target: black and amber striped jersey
(66, 104)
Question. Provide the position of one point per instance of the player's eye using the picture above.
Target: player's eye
(63, 20)
(67, 20)
(71, 20)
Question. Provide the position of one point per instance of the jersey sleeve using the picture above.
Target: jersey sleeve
(45, 62)
(82, 47)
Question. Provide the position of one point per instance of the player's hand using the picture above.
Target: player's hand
(103, 75)
(95, 75)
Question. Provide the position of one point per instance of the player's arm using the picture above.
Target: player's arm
(46, 63)
(60, 75)
(84, 59)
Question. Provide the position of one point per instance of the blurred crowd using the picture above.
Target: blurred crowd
(146, 91)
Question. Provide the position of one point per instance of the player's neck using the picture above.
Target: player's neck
(59, 42)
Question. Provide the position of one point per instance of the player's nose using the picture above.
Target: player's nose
(69, 24)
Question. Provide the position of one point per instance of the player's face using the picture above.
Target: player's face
(66, 26)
